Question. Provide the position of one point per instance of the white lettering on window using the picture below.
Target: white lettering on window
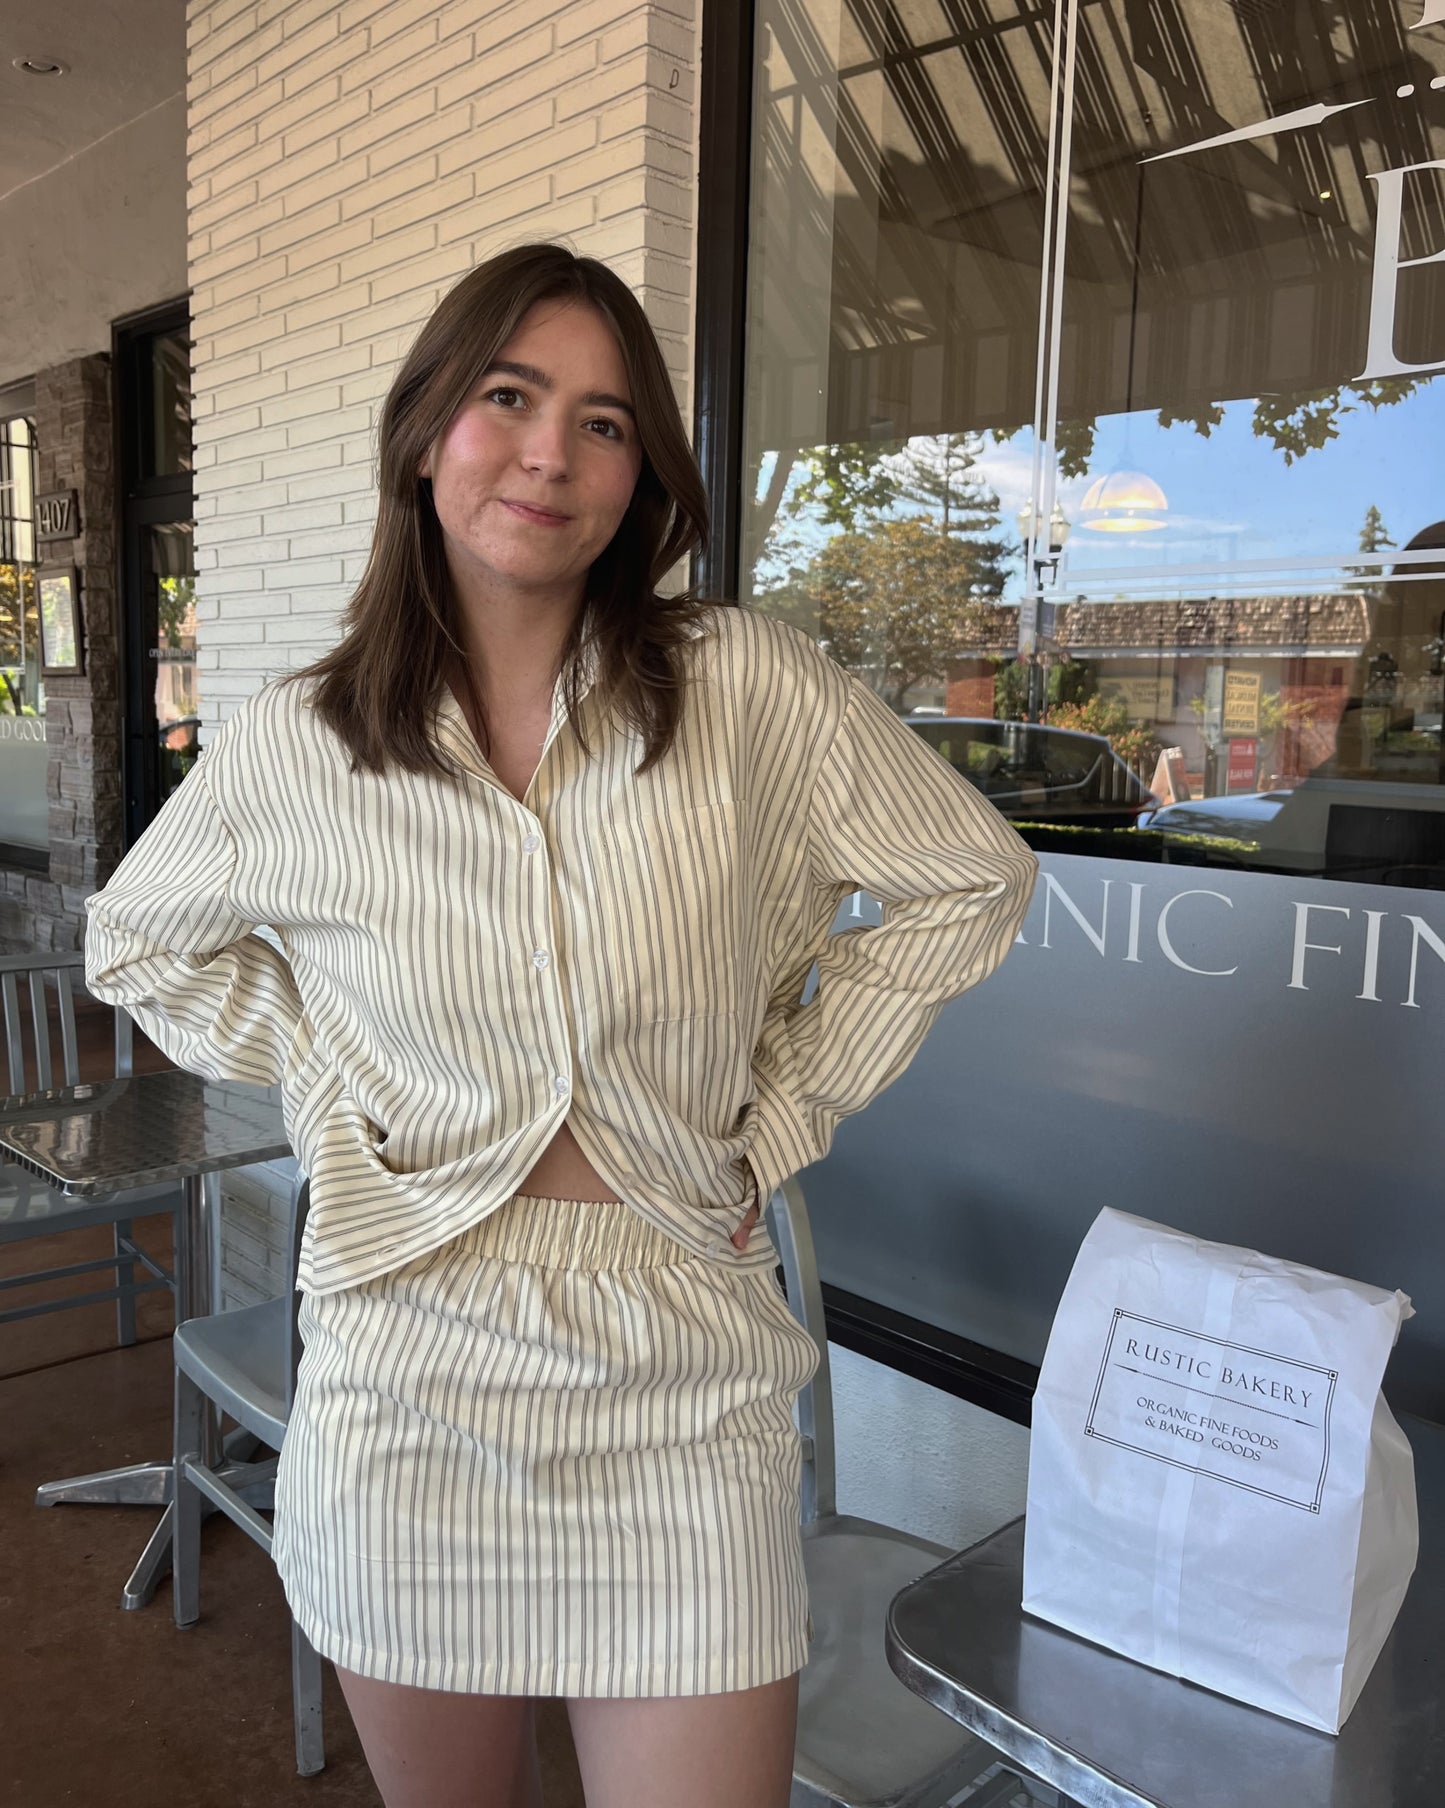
(1052, 890)
(1373, 920)
(1302, 947)
(1420, 931)
(1134, 910)
(1380, 359)
(1170, 952)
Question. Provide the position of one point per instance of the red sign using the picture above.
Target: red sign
(1243, 761)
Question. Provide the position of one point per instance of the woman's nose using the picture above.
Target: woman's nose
(545, 449)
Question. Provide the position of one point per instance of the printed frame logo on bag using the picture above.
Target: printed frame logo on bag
(1255, 1419)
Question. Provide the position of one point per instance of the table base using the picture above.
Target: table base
(152, 1485)
(136, 1485)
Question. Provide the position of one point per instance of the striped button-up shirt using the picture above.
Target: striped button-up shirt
(464, 970)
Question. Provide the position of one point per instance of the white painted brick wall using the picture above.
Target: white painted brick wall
(347, 164)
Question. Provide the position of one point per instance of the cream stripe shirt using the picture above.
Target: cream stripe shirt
(463, 970)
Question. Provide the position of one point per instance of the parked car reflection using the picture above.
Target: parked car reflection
(1238, 822)
(1050, 776)
(1368, 830)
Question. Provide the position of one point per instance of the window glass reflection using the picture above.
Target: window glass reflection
(1161, 500)
(170, 405)
(168, 553)
(24, 805)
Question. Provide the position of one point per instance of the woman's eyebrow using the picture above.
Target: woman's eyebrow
(529, 373)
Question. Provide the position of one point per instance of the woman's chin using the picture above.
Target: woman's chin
(517, 571)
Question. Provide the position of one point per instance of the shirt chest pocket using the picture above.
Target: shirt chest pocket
(671, 902)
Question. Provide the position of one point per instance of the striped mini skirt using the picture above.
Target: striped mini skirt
(554, 1457)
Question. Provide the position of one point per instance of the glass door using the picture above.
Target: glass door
(167, 610)
(162, 688)
(24, 796)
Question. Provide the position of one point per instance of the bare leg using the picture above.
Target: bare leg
(709, 1751)
(428, 1748)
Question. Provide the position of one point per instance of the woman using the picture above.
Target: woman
(550, 856)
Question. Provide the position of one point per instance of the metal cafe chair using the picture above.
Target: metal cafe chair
(42, 988)
(243, 1362)
(862, 1740)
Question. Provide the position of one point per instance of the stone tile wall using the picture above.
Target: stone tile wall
(74, 443)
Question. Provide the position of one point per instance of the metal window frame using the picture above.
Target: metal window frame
(17, 402)
(724, 193)
(133, 426)
(10, 517)
(142, 499)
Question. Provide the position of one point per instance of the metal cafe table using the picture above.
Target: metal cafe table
(1112, 1734)
(92, 1140)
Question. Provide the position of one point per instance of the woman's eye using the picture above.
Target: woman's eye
(607, 429)
(503, 397)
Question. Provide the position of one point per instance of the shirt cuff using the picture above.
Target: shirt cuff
(779, 1144)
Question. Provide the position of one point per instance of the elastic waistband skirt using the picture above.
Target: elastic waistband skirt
(585, 1234)
(555, 1455)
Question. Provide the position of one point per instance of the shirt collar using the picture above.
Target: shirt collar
(454, 731)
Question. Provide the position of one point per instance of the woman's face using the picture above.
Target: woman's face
(534, 472)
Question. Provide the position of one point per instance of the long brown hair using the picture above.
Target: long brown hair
(378, 688)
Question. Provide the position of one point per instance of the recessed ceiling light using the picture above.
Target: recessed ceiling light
(39, 66)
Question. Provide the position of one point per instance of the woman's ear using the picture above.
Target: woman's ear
(424, 468)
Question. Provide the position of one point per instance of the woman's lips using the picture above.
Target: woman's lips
(542, 517)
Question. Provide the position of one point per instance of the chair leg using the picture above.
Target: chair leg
(191, 1411)
(306, 1704)
(125, 1280)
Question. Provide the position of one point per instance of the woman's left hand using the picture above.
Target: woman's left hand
(744, 1230)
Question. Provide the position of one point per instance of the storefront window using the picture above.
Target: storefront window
(1095, 412)
(167, 428)
(24, 807)
(162, 701)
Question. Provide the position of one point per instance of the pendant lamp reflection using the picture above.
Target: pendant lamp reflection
(1123, 502)
(1126, 501)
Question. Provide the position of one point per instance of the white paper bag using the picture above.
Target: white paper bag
(1216, 1487)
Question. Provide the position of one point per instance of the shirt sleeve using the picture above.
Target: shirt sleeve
(890, 817)
(165, 942)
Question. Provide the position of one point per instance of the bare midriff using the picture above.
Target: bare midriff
(562, 1171)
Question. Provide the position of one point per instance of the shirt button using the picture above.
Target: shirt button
(559, 1086)
(540, 958)
(531, 843)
